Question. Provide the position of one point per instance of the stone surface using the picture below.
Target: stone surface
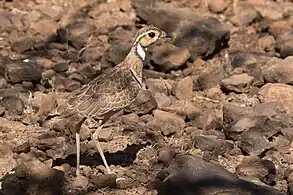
(191, 175)
(237, 83)
(18, 71)
(278, 92)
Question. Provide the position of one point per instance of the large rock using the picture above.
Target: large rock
(189, 175)
(285, 44)
(237, 83)
(202, 36)
(18, 71)
(278, 92)
(278, 70)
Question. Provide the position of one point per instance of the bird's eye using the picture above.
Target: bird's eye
(151, 34)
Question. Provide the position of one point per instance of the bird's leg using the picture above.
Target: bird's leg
(77, 141)
(95, 138)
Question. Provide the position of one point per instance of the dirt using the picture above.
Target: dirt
(220, 90)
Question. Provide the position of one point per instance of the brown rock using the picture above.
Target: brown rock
(7, 162)
(285, 44)
(267, 43)
(278, 70)
(278, 92)
(44, 27)
(169, 56)
(237, 83)
(170, 118)
(159, 85)
(80, 182)
(166, 156)
(184, 89)
(218, 6)
(101, 181)
(143, 104)
(18, 71)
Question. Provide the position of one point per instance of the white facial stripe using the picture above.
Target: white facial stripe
(143, 34)
(140, 51)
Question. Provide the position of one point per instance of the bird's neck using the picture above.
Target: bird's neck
(135, 58)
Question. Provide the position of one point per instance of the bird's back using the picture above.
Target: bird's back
(111, 91)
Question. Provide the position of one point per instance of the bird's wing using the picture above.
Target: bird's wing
(111, 91)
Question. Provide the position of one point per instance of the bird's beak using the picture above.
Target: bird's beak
(165, 35)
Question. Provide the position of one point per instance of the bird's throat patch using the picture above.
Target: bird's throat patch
(140, 51)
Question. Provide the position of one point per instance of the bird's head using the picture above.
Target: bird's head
(148, 35)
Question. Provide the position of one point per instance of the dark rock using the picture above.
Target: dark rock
(201, 36)
(288, 133)
(254, 167)
(253, 143)
(70, 84)
(169, 57)
(166, 156)
(191, 175)
(143, 104)
(13, 105)
(101, 181)
(35, 179)
(23, 45)
(284, 44)
(270, 109)
(61, 67)
(18, 71)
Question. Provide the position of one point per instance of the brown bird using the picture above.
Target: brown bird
(109, 92)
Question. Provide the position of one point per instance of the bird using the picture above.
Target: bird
(110, 92)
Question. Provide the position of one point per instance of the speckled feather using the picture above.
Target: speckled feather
(110, 91)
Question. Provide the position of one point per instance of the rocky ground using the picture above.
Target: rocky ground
(216, 119)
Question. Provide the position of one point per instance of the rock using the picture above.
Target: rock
(237, 83)
(184, 89)
(47, 104)
(278, 70)
(183, 108)
(170, 57)
(245, 17)
(7, 161)
(267, 43)
(164, 128)
(159, 86)
(269, 109)
(70, 84)
(23, 45)
(13, 105)
(202, 37)
(44, 27)
(254, 167)
(54, 11)
(105, 134)
(102, 181)
(61, 67)
(278, 92)
(80, 182)
(143, 104)
(22, 147)
(191, 175)
(170, 118)
(166, 156)
(162, 100)
(18, 71)
(218, 6)
(253, 143)
(38, 179)
(288, 133)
